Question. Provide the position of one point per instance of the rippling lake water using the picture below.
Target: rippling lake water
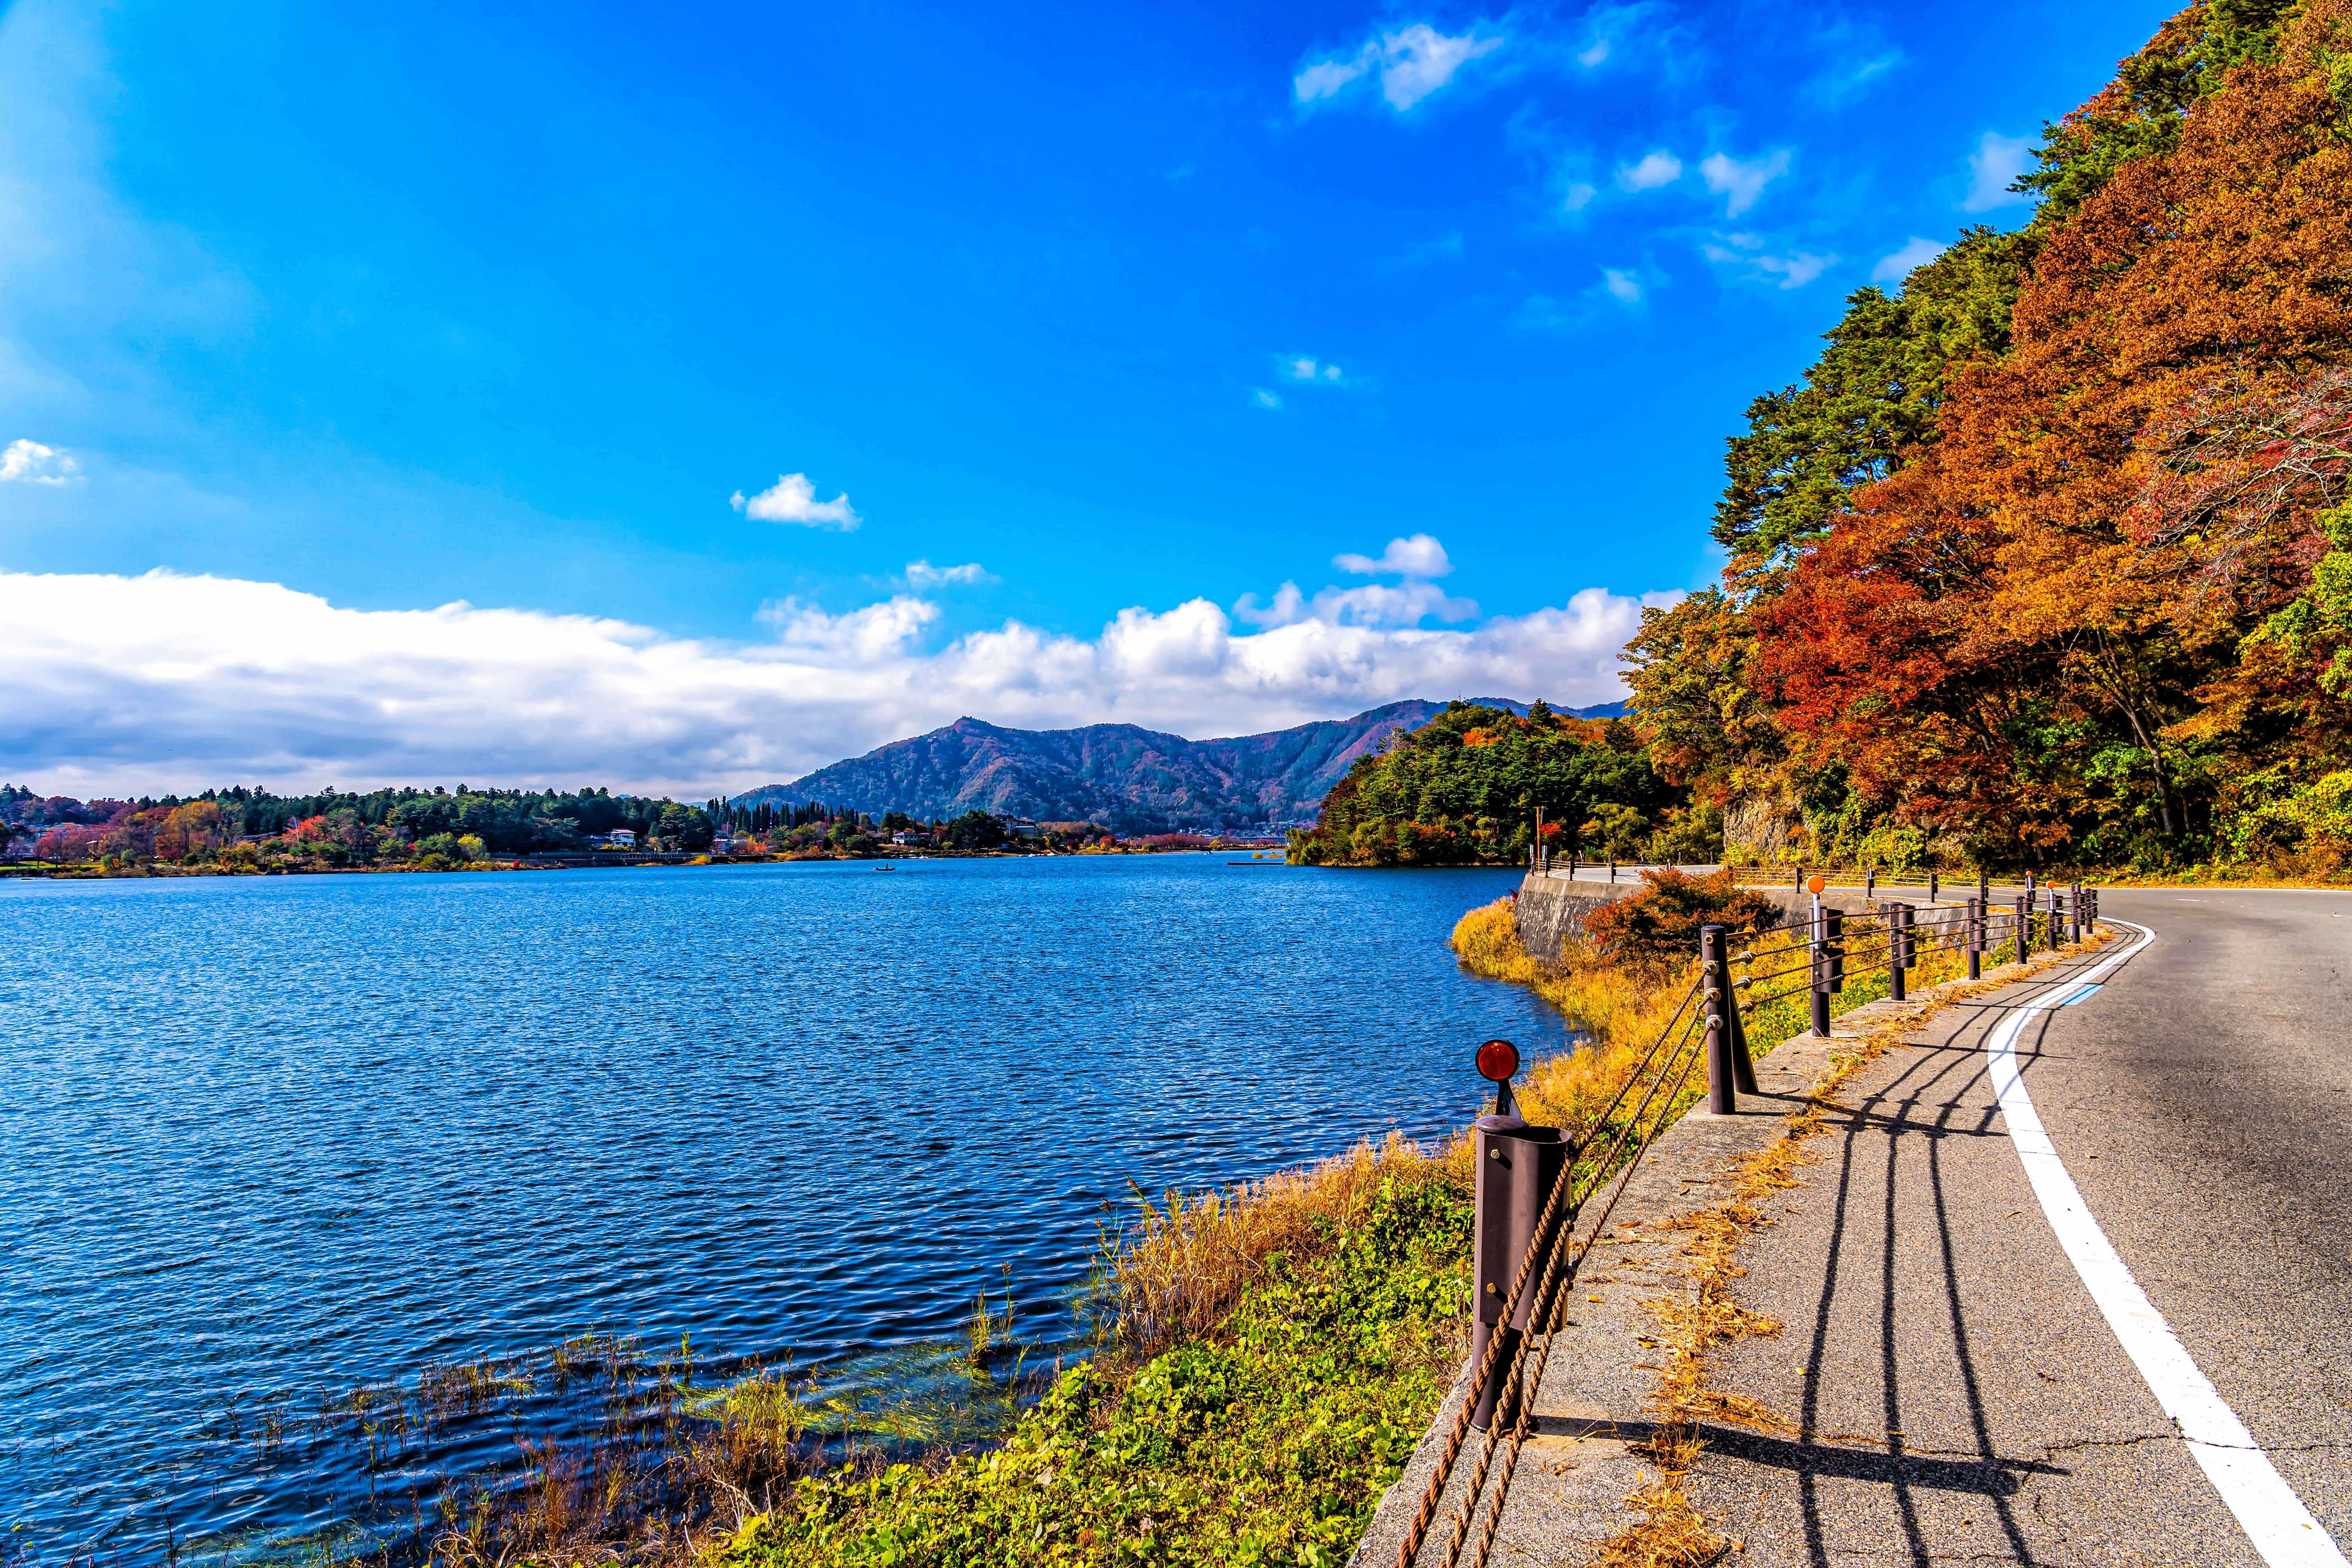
(263, 1138)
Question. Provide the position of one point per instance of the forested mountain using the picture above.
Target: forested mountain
(2048, 559)
(1131, 779)
(1464, 789)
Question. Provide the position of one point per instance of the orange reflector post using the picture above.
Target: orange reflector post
(1816, 884)
(1497, 1061)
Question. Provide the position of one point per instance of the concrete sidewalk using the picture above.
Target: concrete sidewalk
(1950, 1388)
(1569, 1492)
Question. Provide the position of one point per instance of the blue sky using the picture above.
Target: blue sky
(671, 344)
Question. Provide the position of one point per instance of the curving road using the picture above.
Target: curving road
(1953, 1386)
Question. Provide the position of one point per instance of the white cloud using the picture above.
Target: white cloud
(1412, 63)
(1421, 59)
(792, 499)
(30, 463)
(922, 576)
(1794, 270)
(1265, 399)
(1408, 603)
(1592, 57)
(1309, 371)
(128, 684)
(1993, 167)
(1622, 285)
(1895, 266)
(1576, 197)
(1742, 182)
(1325, 78)
(1419, 556)
(873, 632)
(1655, 169)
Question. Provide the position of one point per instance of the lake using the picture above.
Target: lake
(270, 1139)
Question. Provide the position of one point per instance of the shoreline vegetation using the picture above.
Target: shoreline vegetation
(242, 831)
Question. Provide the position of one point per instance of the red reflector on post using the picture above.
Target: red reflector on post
(1816, 884)
(1499, 1060)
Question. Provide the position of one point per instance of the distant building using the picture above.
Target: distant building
(619, 839)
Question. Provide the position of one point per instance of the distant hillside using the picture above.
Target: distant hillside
(1134, 780)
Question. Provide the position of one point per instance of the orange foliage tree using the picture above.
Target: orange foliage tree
(2039, 632)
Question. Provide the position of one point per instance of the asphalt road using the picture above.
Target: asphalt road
(1952, 1388)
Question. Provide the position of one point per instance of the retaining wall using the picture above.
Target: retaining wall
(1549, 904)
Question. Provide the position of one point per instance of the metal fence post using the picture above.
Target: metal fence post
(1800, 876)
(1869, 883)
(1934, 882)
(1715, 991)
(1974, 922)
(2053, 919)
(1517, 1167)
(1612, 868)
(2024, 919)
(2075, 912)
(1829, 968)
(1898, 946)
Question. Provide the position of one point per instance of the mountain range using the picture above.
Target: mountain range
(1131, 779)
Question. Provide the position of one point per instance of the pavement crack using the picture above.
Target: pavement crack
(2055, 1449)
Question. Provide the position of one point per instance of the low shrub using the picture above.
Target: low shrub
(1658, 927)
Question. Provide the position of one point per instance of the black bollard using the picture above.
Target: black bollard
(1975, 924)
(1517, 1166)
(1714, 995)
(1829, 966)
(1898, 948)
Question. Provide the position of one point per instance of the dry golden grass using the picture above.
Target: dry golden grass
(1177, 1272)
(1623, 1011)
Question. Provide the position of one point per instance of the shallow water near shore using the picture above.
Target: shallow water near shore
(268, 1139)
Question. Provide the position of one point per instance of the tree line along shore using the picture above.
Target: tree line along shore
(246, 831)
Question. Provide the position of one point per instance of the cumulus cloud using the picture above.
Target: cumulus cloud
(1655, 169)
(1623, 287)
(1743, 183)
(922, 576)
(792, 499)
(1895, 266)
(161, 682)
(1993, 167)
(1262, 398)
(30, 463)
(1410, 64)
(1577, 197)
(1300, 368)
(1419, 556)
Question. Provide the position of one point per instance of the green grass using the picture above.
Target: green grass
(1267, 1442)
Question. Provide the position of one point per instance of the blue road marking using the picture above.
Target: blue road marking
(2079, 995)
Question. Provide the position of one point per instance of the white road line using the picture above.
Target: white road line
(2270, 1513)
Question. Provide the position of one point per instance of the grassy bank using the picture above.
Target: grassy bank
(1278, 1349)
